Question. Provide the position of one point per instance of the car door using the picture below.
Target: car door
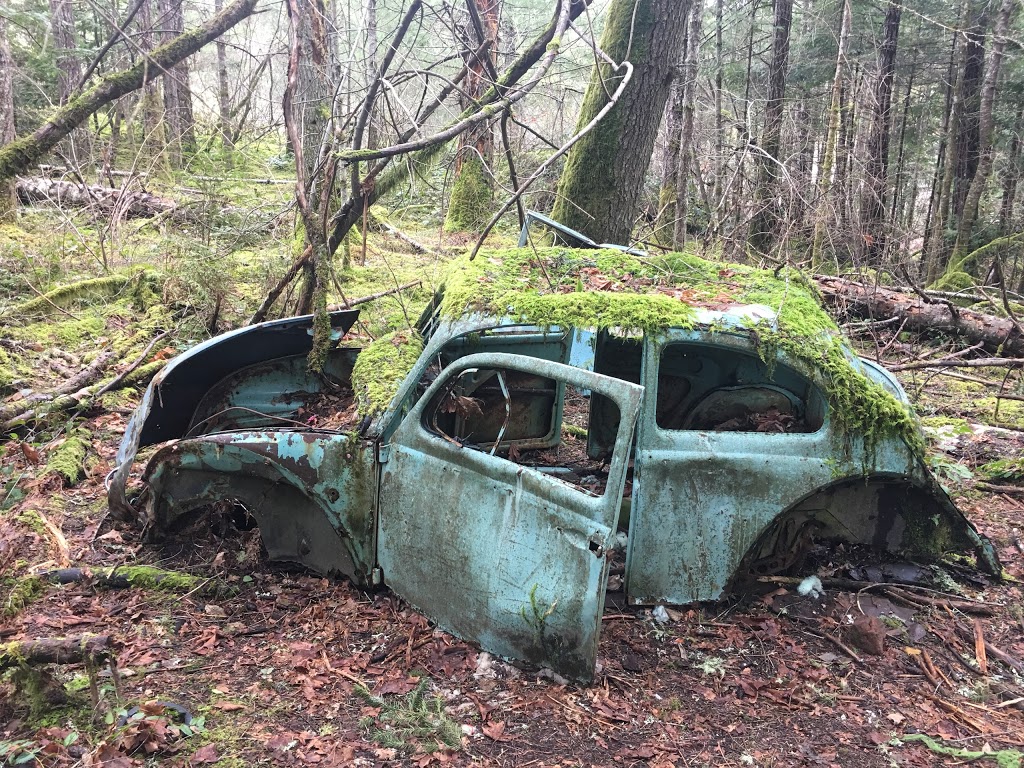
(505, 555)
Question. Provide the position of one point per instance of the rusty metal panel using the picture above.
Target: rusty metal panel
(312, 494)
(495, 552)
(703, 499)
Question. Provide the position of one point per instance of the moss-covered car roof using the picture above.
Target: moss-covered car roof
(607, 288)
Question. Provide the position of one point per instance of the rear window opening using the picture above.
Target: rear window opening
(718, 389)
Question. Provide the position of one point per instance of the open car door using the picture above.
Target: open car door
(495, 544)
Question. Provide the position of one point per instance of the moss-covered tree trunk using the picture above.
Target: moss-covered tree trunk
(469, 205)
(599, 192)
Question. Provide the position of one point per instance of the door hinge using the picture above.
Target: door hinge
(383, 453)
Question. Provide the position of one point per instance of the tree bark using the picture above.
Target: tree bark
(825, 209)
(860, 300)
(1011, 175)
(599, 191)
(469, 205)
(54, 650)
(969, 123)
(873, 202)
(69, 70)
(7, 198)
(223, 94)
(763, 228)
(21, 153)
(986, 126)
(689, 85)
(178, 114)
(105, 200)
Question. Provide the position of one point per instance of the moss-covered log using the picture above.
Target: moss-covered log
(54, 650)
(20, 154)
(128, 576)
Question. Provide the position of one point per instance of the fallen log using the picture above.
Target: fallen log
(82, 379)
(875, 302)
(105, 200)
(55, 650)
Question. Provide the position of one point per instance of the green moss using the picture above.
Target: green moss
(7, 372)
(31, 519)
(649, 294)
(19, 593)
(381, 367)
(68, 459)
(67, 295)
(148, 577)
(469, 205)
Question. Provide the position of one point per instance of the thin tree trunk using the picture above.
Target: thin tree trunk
(689, 85)
(941, 158)
(765, 224)
(1011, 175)
(720, 164)
(936, 256)
(223, 93)
(469, 205)
(900, 175)
(872, 217)
(7, 199)
(986, 126)
(154, 133)
(69, 71)
(824, 213)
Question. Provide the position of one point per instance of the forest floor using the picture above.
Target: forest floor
(277, 667)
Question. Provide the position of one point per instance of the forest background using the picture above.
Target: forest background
(171, 169)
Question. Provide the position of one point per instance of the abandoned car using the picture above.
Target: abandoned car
(555, 411)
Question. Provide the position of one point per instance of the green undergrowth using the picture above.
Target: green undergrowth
(610, 289)
(18, 593)
(410, 723)
(1004, 758)
(1004, 470)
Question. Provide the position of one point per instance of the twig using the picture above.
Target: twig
(116, 381)
(373, 296)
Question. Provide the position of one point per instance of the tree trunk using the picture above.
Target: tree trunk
(969, 124)
(1011, 175)
(181, 130)
(689, 85)
(599, 191)
(986, 126)
(873, 202)
(763, 229)
(69, 71)
(154, 139)
(469, 205)
(825, 210)
(936, 255)
(223, 94)
(19, 154)
(7, 199)
(941, 160)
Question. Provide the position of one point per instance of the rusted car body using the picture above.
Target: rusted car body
(489, 492)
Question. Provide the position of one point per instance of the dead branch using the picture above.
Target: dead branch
(954, 362)
(373, 296)
(83, 379)
(105, 200)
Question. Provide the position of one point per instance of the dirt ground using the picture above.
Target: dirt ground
(282, 668)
